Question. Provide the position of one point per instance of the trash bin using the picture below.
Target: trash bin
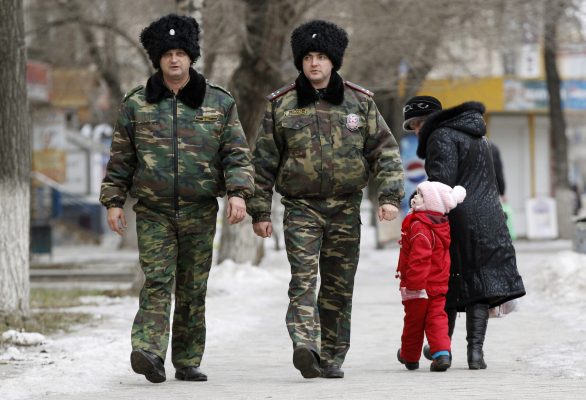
(579, 241)
(41, 239)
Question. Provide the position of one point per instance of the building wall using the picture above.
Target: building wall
(526, 156)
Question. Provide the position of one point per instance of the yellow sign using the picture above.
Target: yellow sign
(51, 163)
(489, 91)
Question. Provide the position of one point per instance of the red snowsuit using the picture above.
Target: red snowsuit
(424, 263)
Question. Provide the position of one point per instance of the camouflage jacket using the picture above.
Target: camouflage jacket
(170, 151)
(313, 145)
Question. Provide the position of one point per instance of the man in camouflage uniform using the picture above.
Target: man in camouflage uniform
(320, 139)
(177, 146)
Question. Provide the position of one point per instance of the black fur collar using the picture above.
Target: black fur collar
(452, 118)
(191, 95)
(307, 95)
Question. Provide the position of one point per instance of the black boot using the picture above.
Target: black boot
(307, 362)
(332, 371)
(190, 374)
(409, 365)
(148, 364)
(476, 323)
(452, 314)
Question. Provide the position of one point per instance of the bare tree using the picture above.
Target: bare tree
(554, 11)
(15, 166)
(76, 33)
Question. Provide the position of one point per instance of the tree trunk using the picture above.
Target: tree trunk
(239, 244)
(15, 166)
(108, 71)
(267, 28)
(557, 123)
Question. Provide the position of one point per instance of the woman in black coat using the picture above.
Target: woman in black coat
(483, 271)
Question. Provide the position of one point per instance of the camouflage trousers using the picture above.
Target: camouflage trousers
(322, 235)
(174, 251)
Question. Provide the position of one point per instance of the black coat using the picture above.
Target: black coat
(483, 266)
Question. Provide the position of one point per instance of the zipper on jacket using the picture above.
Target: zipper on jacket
(176, 159)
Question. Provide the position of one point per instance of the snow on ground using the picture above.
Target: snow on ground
(23, 338)
(555, 281)
(556, 286)
(105, 343)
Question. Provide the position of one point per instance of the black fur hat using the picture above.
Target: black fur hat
(321, 36)
(417, 107)
(171, 32)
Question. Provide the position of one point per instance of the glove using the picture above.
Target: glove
(407, 294)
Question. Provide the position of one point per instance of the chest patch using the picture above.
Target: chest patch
(296, 111)
(352, 121)
(208, 117)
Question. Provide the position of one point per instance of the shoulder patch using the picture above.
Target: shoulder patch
(279, 92)
(359, 88)
(131, 92)
(219, 88)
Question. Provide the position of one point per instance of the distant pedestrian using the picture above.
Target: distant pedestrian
(498, 169)
(483, 264)
(424, 271)
(320, 140)
(177, 146)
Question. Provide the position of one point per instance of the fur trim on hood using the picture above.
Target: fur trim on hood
(466, 118)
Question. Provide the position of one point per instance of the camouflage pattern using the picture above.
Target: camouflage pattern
(320, 158)
(174, 250)
(315, 152)
(170, 155)
(324, 234)
(176, 160)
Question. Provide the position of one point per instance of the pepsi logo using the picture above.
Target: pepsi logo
(415, 171)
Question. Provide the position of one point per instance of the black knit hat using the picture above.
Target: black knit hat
(320, 36)
(171, 32)
(419, 106)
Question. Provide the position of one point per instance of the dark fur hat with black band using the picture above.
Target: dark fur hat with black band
(417, 107)
(322, 37)
(171, 32)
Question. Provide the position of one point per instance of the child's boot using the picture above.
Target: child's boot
(409, 365)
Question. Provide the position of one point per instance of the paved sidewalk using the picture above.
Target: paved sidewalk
(254, 362)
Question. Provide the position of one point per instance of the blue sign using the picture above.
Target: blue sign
(532, 94)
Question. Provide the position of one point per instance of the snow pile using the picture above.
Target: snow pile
(233, 278)
(23, 338)
(11, 354)
(563, 278)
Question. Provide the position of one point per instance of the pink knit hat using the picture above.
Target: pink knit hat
(439, 197)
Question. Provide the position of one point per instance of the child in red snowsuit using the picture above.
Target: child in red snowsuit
(424, 270)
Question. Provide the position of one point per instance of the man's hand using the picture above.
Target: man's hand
(236, 210)
(263, 229)
(388, 212)
(116, 220)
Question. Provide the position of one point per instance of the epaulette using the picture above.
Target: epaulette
(131, 92)
(359, 88)
(279, 92)
(219, 88)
